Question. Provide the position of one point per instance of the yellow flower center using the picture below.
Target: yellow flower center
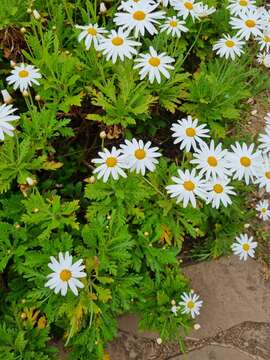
(212, 161)
(65, 275)
(267, 174)
(218, 188)
(230, 43)
(190, 132)
(154, 61)
(92, 31)
(117, 41)
(266, 38)
(245, 161)
(263, 210)
(245, 247)
(111, 161)
(173, 23)
(139, 15)
(190, 305)
(250, 23)
(243, 3)
(188, 5)
(23, 73)
(140, 154)
(189, 185)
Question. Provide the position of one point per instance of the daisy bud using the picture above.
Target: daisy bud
(23, 301)
(29, 11)
(9, 252)
(36, 210)
(23, 30)
(31, 181)
(102, 8)
(246, 226)
(197, 326)
(102, 135)
(36, 14)
(109, 217)
(173, 302)
(25, 93)
(12, 63)
(53, 27)
(37, 97)
(8, 99)
(17, 226)
(23, 316)
(67, 52)
(159, 341)
(146, 233)
(92, 179)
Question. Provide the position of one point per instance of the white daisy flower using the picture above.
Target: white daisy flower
(237, 7)
(111, 163)
(6, 116)
(139, 17)
(219, 192)
(92, 34)
(23, 76)
(264, 40)
(244, 162)
(264, 139)
(140, 156)
(229, 47)
(244, 246)
(165, 3)
(174, 26)
(127, 4)
(188, 133)
(188, 186)
(263, 174)
(118, 44)
(267, 119)
(186, 8)
(154, 64)
(191, 304)
(263, 209)
(211, 160)
(264, 59)
(203, 10)
(65, 274)
(265, 16)
(247, 24)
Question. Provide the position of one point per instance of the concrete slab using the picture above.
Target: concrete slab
(214, 353)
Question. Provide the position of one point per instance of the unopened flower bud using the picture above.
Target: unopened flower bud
(102, 8)
(29, 11)
(37, 97)
(23, 30)
(31, 181)
(67, 52)
(23, 301)
(109, 217)
(53, 27)
(159, 341)
(36, 14)
(173, 302)
(246, 226)
(146, 233)
(8, 99)
(102, 135)
(92, 179)
(197, 326)
(36, 210)
(23, 315)
(25, 93)
(12, 63)
(17, 226)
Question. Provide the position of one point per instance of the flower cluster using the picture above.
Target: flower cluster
(133, 155)
(215, 166)
(134, 20)
(248, 21)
